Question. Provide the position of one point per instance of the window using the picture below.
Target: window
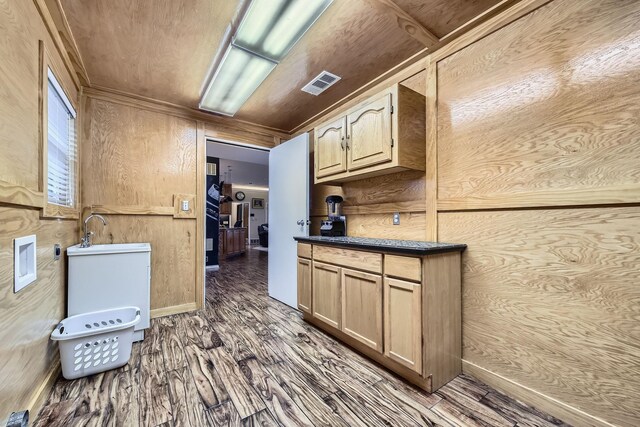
(61, 146)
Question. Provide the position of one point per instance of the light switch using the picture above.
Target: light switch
(185, 205)
(396, 218)
(24, 262)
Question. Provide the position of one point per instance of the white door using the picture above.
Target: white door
(288, 214)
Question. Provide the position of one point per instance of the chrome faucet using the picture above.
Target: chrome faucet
(86, 240)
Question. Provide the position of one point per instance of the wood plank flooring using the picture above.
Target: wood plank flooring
(248, 360)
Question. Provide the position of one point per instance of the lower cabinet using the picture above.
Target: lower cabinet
(232, 242)
(362, 307)
(404, 312)
(327, 293)
(403, 323)
(304, 285)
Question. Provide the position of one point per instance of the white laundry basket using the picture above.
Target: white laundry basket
(96, 341)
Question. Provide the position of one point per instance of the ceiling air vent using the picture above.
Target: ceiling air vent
(321, 83)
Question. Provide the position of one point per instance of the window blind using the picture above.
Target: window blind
(61, 146)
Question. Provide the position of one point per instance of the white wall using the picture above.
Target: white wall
(260, 215)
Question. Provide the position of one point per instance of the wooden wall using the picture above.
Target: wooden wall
(29, 361)
(134, 161)
(139, 159)
(538, 171)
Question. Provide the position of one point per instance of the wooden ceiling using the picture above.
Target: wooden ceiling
(164, 49)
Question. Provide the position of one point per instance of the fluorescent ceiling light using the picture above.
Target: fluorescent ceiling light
(237, 77)
(270, 28)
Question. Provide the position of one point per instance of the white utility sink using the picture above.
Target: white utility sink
(103, 277)
(115, 248)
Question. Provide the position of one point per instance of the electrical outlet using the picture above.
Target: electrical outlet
(185, 205)
(396, 218)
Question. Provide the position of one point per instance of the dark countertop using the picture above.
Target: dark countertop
(401, 247)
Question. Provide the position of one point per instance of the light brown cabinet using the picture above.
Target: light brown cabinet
(370, 140)
(326, 293)
(403, 323)
(330, 154)
(304, 285)
(362, 307)
(383, 134)
(402, 311)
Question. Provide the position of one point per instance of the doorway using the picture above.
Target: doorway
(237, 200)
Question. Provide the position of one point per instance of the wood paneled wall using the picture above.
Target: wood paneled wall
(134, 161)
(139, 159)
(28, 359)
(544, 113)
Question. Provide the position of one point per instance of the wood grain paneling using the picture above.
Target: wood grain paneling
(28, 317)
(375, 37)
(443, 16)
(137, 157)
(571, 114)
(412, 226)
(163, 51)
(137, 162)
(370, 203)
(558, 127)
(29, 359)
(556, 292)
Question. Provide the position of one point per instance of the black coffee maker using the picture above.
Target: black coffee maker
(336, 225)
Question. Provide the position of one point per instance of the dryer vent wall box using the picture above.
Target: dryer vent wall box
(24, 262)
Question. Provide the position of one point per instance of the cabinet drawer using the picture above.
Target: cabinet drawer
(403, 267)
(360, 260)
(304, 250)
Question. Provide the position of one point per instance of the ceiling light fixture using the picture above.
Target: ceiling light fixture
(268, 31)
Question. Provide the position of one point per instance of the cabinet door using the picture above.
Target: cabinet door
(231, 247)
(362, 307)
(403, 323)
(326, 294)
(369, 134)
(304, 285)
(330, 148)
(237, 240)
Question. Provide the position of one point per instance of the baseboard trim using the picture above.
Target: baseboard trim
(41, 394)
(174, 309)
(558, 409)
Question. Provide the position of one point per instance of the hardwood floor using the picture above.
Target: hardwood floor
(248, 360)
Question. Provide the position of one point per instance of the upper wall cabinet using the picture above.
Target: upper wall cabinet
(330, 148)
(384, 134)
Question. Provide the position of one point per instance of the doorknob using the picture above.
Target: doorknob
(300, 222)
